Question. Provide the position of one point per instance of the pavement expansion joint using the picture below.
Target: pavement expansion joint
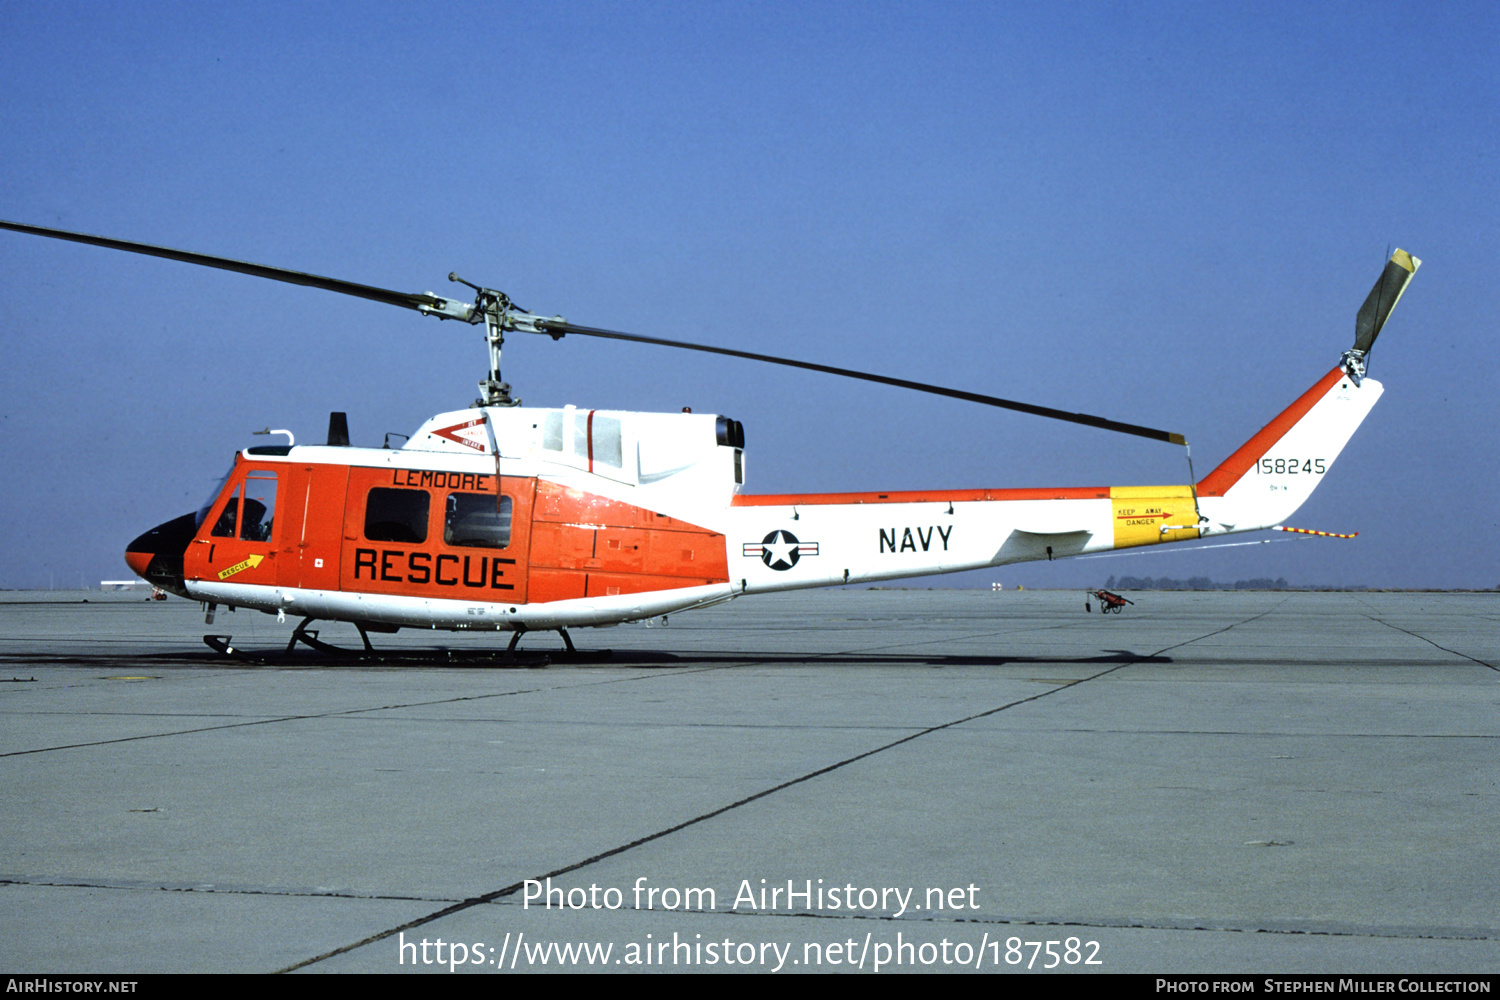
(516, 887)
(134, 885)
(1418, 635)
(1267, 782)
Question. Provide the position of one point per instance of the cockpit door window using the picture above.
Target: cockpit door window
(251, 511)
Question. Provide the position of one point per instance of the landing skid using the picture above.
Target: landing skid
(220, 644)
(301, 634)
(309, 637)
(569, 653)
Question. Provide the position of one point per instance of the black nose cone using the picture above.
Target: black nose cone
(157, 555)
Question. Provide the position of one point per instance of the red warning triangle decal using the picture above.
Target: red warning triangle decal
(451, 433)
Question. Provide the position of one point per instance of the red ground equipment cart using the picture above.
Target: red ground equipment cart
(1107, 602)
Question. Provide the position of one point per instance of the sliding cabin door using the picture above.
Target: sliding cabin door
(442, 535)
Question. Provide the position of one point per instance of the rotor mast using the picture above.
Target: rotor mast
(498, 314)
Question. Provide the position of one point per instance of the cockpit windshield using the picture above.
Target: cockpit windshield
(213, 495)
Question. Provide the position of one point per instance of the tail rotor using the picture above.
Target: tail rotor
(1377, 309)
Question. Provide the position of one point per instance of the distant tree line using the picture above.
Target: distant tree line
(1204, 583)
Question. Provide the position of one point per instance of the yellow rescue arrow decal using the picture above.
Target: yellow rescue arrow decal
(250, 562)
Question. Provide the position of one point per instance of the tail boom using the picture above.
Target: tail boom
(792, 541)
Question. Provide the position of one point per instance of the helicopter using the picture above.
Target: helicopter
(513, 519)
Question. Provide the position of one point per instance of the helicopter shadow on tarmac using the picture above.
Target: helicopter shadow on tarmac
(530, 660)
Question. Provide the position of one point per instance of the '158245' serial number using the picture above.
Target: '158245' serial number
(1289, 466)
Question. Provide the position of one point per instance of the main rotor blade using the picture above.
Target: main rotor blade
(453, 309)
(1383, 298)
(553, 326)
(404, 299)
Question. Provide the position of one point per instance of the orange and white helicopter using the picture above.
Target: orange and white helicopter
(516, 519)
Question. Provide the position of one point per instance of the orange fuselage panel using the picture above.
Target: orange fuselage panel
(392, 532)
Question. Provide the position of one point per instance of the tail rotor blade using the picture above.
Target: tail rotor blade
(1383, 298)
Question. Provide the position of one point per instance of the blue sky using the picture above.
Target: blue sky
(1162, 213)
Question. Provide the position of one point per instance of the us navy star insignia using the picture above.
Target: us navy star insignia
(780, 550)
